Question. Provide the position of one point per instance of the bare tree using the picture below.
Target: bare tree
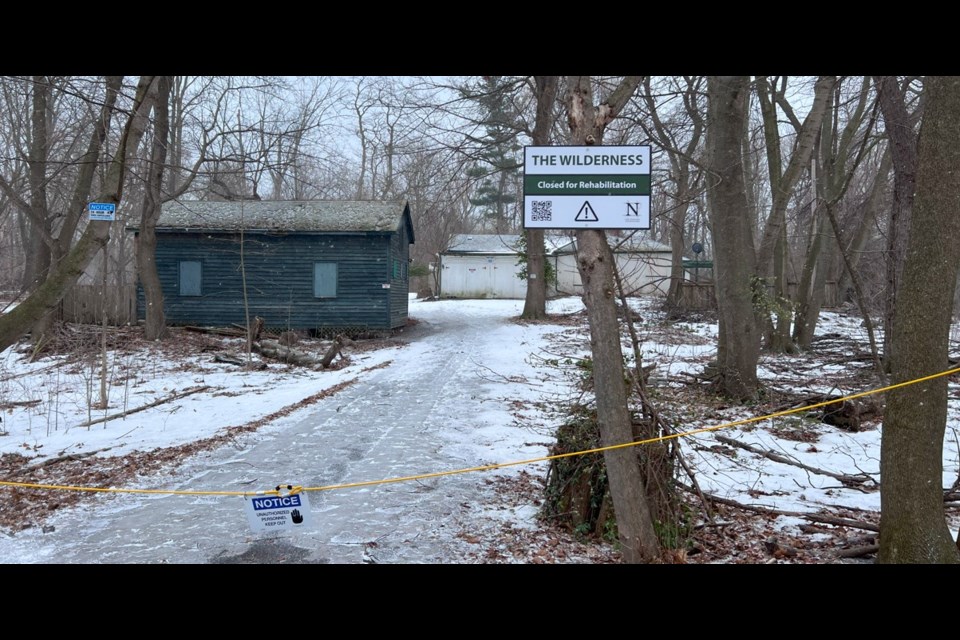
(738, 342)
(912, 524)
(638, 537)
(155, 326)
(772, 255)
(71, 265)
(900, 125)
(841, 151)
(535, 304)
(680, 137)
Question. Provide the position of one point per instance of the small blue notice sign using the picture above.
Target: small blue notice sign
(278, 513)
(103, 211)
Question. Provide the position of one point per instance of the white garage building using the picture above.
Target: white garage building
(485, 266)
(481, 266)
(644, 265)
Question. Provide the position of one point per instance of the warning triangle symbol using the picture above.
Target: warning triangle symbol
(587, 214)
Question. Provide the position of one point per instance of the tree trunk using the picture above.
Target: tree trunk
(821, 256)
(634, 521)
(41, 242)
(638, 538)
(535, 305)
(155, 326)
(912, 525)
(677, 243)
(738, 346)
(781, 341)
(903, 148)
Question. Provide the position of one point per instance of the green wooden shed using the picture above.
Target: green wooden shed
(304, 264)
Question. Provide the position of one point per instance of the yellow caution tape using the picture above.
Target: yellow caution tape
(489, 467)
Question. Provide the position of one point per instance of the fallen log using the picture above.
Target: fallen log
(332, 352)
(155, 403)
(275, 350)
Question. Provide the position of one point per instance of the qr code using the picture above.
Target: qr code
(542, 210)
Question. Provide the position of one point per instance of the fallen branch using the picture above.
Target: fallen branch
(847, 480)
(220, 331)
(507, 379)
(20, 403)
(64, 458)
(858, 552)
(170, 398)
(811, 517)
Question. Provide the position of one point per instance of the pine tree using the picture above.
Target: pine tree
(497, 169)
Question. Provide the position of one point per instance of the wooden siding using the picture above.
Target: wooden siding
(399, 286)
(280, 279)
(84, 304)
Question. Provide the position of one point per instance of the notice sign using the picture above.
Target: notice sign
(278, 513)
(103, 211)
(586, 187)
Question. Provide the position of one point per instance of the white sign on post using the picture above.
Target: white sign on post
(278, 513)
(586, 187)
(103, 211)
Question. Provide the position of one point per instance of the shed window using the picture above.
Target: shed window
(191, 275)
(325, 279)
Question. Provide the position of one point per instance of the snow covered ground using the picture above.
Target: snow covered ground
(466, 386)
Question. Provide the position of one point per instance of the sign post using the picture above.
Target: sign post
(586, 187)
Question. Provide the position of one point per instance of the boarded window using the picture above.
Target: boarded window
(325, 279)
(190, 278)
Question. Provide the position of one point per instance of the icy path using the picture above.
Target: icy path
(431, 410)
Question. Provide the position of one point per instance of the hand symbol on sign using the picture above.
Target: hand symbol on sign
(297, 517)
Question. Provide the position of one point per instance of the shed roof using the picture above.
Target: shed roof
(630, 244)
(506, 243)
(284, 215)
(493, 243)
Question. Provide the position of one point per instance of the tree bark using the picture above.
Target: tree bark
(738, 345)
(40, 255)
(39, 252)
(913, 528)
(155, 326)
(535, 304)
(899, 126)
(638, 538)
